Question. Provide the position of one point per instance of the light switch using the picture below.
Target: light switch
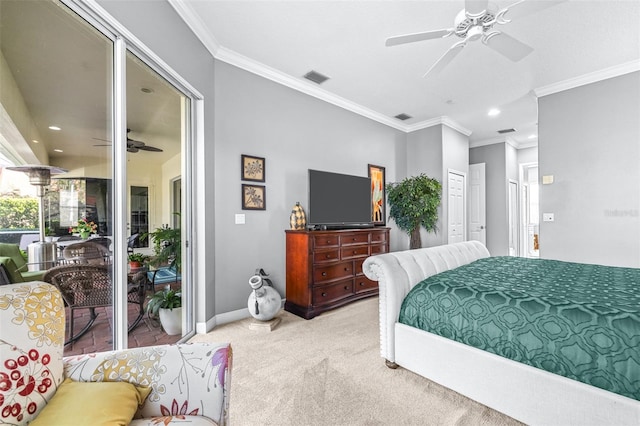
(548, 217)
(239, 219)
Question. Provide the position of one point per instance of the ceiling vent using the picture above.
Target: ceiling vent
(503, 131)
(403, 116)
(316, 77)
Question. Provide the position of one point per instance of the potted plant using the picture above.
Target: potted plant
(167, 304)
(136, 260)
(84, 228)
(414, 204)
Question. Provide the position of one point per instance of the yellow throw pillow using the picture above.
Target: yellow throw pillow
(92, 403)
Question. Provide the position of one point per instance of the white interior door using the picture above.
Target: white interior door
(456, 194)
(477, 203)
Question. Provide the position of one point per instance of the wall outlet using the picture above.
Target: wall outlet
(548, 217)
(240, 219)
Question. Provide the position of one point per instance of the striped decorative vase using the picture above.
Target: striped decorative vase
(298, 220)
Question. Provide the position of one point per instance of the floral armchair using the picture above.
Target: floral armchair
(165, 385)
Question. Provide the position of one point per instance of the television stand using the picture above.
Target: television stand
(324, 268)
(343, 227)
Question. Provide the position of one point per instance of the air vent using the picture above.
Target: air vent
(503, 131)
(316, 77)
(403, 116)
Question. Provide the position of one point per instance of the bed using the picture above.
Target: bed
(478, 367)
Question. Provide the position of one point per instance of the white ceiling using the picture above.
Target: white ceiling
(345, 40)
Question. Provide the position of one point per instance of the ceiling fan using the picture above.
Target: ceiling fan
(477, 21)
(133, 145)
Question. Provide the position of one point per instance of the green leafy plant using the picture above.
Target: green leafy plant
(167, 246)
(414, 204)
(138, 257)
(164, 299)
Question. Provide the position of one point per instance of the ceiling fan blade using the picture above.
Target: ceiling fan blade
(410, 38)
(524, 8)
(132, 149)
(149, 148)
(134, 143)
(507, 45)
(106, 144)
(475, 8)
(446, 58)
(103, 140)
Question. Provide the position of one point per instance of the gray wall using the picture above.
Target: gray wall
(294, 132)
(495, 159)
(589, 140)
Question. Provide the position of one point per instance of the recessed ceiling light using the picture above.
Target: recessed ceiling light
(493, 112)
(58, 150)
(35, 141)
(146, 90)
(54, 128)
(533, 136)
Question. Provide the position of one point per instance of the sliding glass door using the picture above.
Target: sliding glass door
(77, 95)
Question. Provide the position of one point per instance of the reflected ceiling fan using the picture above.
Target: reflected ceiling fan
(133, 145)
(477, 21)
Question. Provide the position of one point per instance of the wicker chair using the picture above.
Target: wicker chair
(89, 286)
(86, 252)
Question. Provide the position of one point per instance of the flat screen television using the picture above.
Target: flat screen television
(338, 201)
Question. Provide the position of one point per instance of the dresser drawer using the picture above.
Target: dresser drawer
(326, 294)
(324, 256)
(332, 272)
(378, 249)
(354, 252)
(350, 239)
(364, 284)
(378, 237)
(320, 241)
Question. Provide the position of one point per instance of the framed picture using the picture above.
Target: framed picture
(253, 197)
(252, 168)
(378, 200)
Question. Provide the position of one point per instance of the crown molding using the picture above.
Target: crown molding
(195, 23)
(614, 71)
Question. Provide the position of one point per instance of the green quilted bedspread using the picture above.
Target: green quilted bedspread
(576, 320)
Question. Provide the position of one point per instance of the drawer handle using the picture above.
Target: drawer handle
(328, 256)
(354, 239)
(361, 284)
(346, 287)
(355, 252)
(324, 294)
(346, 269)
(324, 274)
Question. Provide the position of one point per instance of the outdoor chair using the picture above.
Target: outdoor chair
(16, 266)
(86, 252)
(86, 286)
(163, 275)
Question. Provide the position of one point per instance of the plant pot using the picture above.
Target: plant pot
(171, 320)
(135, 265)
(84, 235)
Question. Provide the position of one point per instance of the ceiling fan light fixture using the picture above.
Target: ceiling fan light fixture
(493, 112)
(503, 131)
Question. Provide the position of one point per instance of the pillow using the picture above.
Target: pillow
(92, 403)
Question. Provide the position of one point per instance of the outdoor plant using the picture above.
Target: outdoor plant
(166, 298)
(167, 246)
(414, 204)
(138, 257)
(84, 227)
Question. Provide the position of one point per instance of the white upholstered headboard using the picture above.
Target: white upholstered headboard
(399, 271)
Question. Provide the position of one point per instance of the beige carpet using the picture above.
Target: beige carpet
(328, 371)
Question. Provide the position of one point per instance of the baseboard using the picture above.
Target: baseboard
(225, 318)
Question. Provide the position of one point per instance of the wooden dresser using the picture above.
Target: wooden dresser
(324, 268)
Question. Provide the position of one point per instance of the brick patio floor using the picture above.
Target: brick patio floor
(99, 337)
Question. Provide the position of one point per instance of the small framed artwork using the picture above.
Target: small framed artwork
(253, 197)
(378, 200)
(253, 168)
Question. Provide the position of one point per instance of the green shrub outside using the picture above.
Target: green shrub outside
(18, 213)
